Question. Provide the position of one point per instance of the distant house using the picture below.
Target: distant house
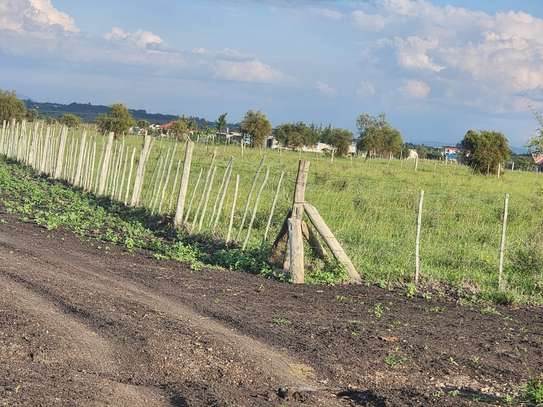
(234, 137)
(318, 148)
(352, 149)
(167, 126)
(272, 142)
(450, 153)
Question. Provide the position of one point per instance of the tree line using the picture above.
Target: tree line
(484, 151)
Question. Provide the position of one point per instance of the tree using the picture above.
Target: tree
(341, 139)
(295, 135)
(143, 124)
(221, 122)
(70, 120)
(484, 151)
(377, 136)
(535, 145)
(118, 120)
(32, 115)
(180, 128)
(11, 107)
(257, 125)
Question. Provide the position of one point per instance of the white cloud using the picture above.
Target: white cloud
(492, 58)
(140, 38)
(412, 53)
(327, 13)
(247, 71)
(325, 88)
(415, 89)
(365, 89)
(33, 16)
(35, 29)
(370, 22)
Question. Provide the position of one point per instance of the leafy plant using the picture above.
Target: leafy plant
(378, 310)
(394, 360)
(533, 392)
(281, 321)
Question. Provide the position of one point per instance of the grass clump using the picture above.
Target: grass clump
(532, 392)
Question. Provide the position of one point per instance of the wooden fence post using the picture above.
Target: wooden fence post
(231, 221)
(274, 203)
(105, 165)
(178, 220)
(417, 242)
(502, 243)
(77, 180)
(332, 242)
(296, 243)
(249, 197)
(223, 195)
(257, 202)
(128, 183)
(140, 171)
(193, 196)
(60, 154)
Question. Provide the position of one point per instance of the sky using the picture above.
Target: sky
(435, 67)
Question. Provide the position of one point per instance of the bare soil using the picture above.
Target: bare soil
(84, 325)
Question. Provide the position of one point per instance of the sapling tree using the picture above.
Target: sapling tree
(11, 107)
(257, 125)
(485, 151)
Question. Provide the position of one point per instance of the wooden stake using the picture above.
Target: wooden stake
(193, 196)
(295, 224)
(417, 242)
(219, 194)
(331, 242)
(313, 241)
(223, 195)
(105, 165)
(129, 179)
(167, 181)
(77, 180)
(140, 172)
(159, 182)
(60, 154)
(122, 182)
(274, 203)
(231, 222)
(206, 200)
(179, 212)
(257, 202)
(249, 197)
(501, 284)
(174, 187)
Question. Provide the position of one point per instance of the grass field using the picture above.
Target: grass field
(371, 207)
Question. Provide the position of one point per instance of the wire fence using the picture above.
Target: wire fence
(243, 195)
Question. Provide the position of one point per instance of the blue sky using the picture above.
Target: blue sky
(436, 67)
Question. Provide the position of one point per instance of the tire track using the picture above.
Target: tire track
(70, 279)
(76, 345)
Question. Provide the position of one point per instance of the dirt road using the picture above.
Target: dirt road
(82, 325)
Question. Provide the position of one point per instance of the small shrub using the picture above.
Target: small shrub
(331, 273)
(394, 360)
(533, 392)
(281, 321)
(527, 259)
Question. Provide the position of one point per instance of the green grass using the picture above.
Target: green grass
(533, 392)
(371, 206)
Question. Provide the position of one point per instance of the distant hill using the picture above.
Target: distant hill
(89, 112)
